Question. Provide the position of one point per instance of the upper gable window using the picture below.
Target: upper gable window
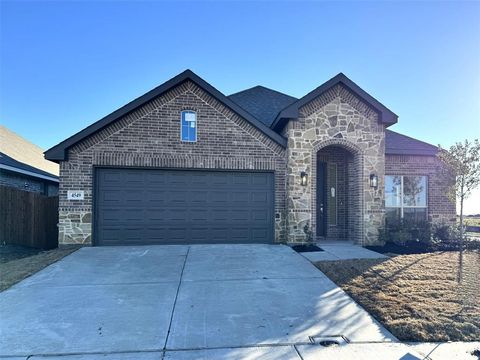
(189, 126)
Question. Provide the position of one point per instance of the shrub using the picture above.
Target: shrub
(425, 235)
(404, 232)
(446, 236)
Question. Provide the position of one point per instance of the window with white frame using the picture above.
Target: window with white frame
(405, 198)
(188, 126)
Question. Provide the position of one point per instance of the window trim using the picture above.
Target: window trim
(181, 125)
(402, 205)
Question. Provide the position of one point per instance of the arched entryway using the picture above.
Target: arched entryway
(337, 191)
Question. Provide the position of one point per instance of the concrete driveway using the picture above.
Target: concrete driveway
(172, 302)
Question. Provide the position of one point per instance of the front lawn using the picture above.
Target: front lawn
(19, 262)
(417, 297)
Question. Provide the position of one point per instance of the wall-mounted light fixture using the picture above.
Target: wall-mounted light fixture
(373, 181)
(303, 178)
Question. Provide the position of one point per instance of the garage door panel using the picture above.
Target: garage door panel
(199, 234)
(156, 235)
(219, 178)
(155, 178)
(240, 216)
(146, 206)
(240, 198)
(218, 234)
(261, 179)
(242, 179)
(177, 179)
(218, 215)
(198, 197)
(177, 233)
(199, 215)
(113, 196)
(133, 178)
(219, 197)
(258, 197)
(259, 216)
(240, 234)
(156, 198)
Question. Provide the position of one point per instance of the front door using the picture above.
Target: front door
(321, 199)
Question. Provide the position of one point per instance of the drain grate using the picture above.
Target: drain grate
(329, 340)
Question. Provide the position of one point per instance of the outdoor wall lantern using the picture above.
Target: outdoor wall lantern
(373, 181)
(303, 178)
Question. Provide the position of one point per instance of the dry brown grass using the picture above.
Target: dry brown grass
(421, 297)
(17, 269)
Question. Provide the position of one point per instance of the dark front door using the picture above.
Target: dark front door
(153, 206)
(321, 199)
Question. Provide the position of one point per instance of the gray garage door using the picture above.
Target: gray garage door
(140, 206)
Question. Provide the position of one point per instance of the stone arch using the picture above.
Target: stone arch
(346, 144)
(355, 203)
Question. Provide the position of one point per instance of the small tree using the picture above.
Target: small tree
(462, 161)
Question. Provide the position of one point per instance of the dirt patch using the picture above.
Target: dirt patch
(18, 262)
(420, 297)
(14, 252)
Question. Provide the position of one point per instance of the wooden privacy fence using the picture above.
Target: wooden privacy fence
(28, 218)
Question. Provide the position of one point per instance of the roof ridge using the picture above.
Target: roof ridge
(264, 87)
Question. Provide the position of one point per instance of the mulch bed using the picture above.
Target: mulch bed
(413, 247)
(306, 248)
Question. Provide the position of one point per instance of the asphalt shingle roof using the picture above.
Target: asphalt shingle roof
(262, 103)
(22, 150)
(398, 144)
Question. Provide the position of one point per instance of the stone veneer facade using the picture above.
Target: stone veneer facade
(336, 118)
(336, 128)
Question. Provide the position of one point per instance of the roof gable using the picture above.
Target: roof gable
(263, 103)
(398, 144)
(385, 116)
(59, 152)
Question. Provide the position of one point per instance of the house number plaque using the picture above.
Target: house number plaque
(75, 194)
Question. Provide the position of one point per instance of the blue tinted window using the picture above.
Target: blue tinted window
(189, 126)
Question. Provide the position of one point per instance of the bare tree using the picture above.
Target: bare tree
(462, 161)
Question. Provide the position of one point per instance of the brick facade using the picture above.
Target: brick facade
(28, 183)
(439, 207)
(150, 137)
(337, 128)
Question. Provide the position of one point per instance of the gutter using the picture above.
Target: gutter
(29, 173)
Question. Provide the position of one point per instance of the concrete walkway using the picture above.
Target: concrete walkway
(179, 302)
(341, 250)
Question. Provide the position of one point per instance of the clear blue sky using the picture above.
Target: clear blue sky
(66, 64)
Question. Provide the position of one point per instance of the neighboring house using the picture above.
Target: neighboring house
(23, 166)
(186, 164)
